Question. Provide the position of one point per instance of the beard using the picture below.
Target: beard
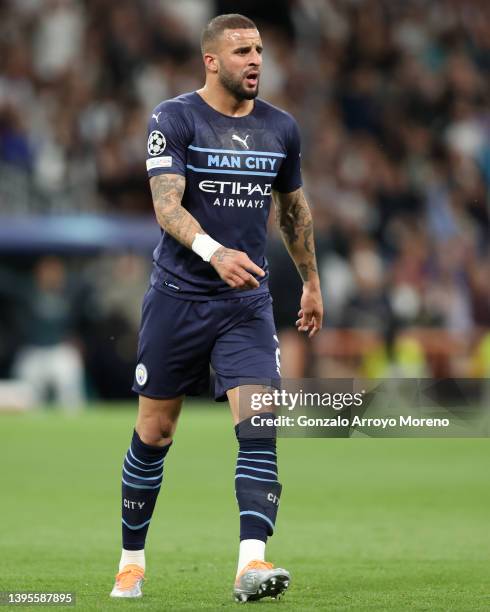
(236, 87)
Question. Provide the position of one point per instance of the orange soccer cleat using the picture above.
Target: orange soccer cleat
(129, 581)
(260, 579)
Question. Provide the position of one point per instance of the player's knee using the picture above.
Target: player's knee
(155, 431)
(154, 437)
(166, 427)
(157, 421)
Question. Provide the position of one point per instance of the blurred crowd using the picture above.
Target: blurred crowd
(69, 326)
(393, 102)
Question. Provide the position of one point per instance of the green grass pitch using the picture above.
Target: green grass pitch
(364, 524)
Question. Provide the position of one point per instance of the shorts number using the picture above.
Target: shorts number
(278, 356)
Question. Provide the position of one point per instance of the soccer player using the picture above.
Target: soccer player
(215, 157)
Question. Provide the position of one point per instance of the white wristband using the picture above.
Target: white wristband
(204, 246)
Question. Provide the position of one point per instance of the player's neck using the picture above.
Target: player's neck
(224, 102)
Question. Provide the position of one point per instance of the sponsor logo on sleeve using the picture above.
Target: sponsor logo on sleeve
(159, 162)
(156, 143)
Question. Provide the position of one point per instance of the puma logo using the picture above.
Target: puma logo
(156, 116)
(243, 141)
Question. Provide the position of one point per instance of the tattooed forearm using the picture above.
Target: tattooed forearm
(167, 191)
(294, 220)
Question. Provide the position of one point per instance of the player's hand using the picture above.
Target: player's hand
(311, 312)
(235, 268)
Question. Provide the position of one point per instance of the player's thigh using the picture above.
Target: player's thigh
(174, 344)
(157, 419)
(248, 352)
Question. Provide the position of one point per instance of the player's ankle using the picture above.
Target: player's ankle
(250, 550)
(132, 557)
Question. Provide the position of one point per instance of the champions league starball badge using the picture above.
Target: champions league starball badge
(156, 143)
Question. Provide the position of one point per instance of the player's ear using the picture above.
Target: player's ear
(211, 62)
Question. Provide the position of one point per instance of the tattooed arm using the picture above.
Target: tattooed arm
(233, 267)
(167, 191)
(294, 220)
(296, 225)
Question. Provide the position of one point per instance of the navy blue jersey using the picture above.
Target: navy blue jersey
(231, 165)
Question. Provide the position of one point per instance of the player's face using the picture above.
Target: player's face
(240, 61)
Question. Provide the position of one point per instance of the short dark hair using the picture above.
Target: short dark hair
(216, 26)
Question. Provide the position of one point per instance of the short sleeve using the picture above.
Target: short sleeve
(168, 139)
(289, 176)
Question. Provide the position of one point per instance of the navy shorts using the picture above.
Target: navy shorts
(179, 339)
